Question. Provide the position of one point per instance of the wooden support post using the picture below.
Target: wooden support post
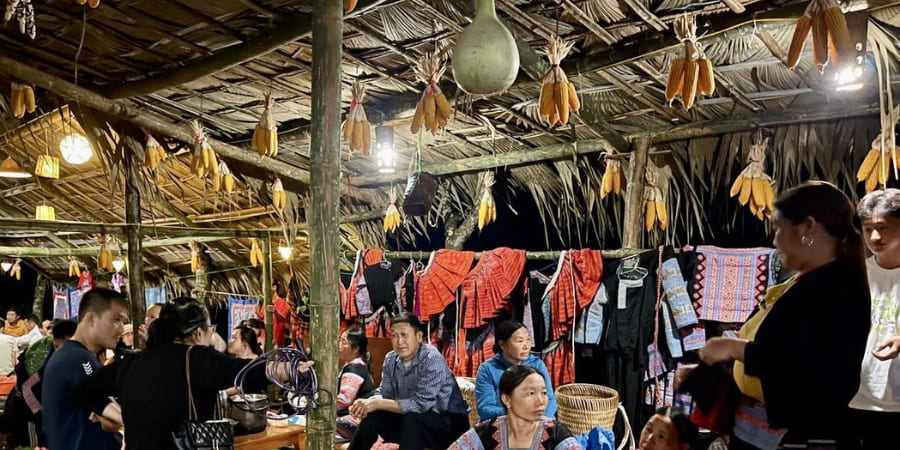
(324, 212)
(134, 234)
(458, 232)
(40, 289)
(267, 289)
(201, 278)
(634, 199)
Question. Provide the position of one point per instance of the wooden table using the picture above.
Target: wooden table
(273, 438)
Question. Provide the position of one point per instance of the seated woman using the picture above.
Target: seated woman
(523, 393)
(668, 430)
(512, 348)
(355, 379)
(244, 344)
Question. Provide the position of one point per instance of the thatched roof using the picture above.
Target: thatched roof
(127, 47)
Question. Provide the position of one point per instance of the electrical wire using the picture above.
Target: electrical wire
(303, 386)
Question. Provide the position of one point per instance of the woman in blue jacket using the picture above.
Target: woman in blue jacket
(512, 347)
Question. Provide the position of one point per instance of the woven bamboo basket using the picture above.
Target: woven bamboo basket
(581, 407)
(467, 387)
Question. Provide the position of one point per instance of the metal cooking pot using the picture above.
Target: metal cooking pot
(250, 414)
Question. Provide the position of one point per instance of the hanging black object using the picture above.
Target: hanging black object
(421, 189)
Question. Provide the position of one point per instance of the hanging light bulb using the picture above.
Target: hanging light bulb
(11, 169)
(5, 265)
(75, 149)
(118, 263)
(384, 149)
(285, 252)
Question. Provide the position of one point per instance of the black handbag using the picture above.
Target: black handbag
(194, 434)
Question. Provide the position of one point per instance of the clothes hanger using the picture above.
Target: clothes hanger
(630, 269)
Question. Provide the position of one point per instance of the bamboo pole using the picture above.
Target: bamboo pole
(634, 199)
(325, 213)
(40, 289)
(267, 289)
(48, 252)
(548, 255)
(7, 224)
(133, 233)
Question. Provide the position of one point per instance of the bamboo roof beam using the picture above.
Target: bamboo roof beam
(46, 252)
(293, 27)
(119, 229)
(584, 147)
(33, 186)
(645, 14)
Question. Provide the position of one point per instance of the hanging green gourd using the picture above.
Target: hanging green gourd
(485, 59)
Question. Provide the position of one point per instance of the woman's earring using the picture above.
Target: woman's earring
(806, 240)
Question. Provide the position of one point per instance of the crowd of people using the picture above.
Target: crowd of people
(814, 366)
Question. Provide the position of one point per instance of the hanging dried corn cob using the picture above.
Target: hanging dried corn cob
(21, 99)
(91, 3)
(558, 95)
(226, 178)
(391, 215)
(801, 33)
(753, 186)
(655, 212)
(22, 11)
(349, 5)
(487, 208)
(706, 77)
(196, 262)
(104, 259)
(433, 110)
(265, 134)
(875, 169)
(256, 253)
(74, 267)
(153, 153)
(838, 32)
(16, 269)
(279, 197)
(357, 131)
(203, 158)
(684, 73)
(614, 177)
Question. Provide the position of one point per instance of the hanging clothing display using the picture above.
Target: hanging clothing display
(240, 309)
(729, 283)
(572, 287)
(75, 295)
(440, 280)
(155, 295)
(560, 361)
(85, 281)
(60, 303)
(675, 287)
(489, 284)
(589, 326)
(364, 259)
(540, 316)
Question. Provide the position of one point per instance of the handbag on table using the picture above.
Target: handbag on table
(195, 434)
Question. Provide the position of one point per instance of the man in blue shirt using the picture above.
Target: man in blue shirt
(101, 317)
(420, 405)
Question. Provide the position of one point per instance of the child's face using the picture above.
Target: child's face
(659, 434)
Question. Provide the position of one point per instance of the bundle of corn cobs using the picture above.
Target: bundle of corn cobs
(487, 209)
(655, 212)
(349, 5)
(558, 95)
(753, 186)
(104, 260)
(21, 100)
(875, 169)
(392, 215)
(279, 197)
(153, 153)
(196, 262)
(16, 269)
(831, 37)
(23, 12)
(357, 131)
(691, 72)
(225, 180)
(614, 177)
(433, 109)
(256, 253)
(203, 158)
(74, 267)
(91, 3)
(265, 135)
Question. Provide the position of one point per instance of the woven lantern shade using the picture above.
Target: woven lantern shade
(47, 166)
(45, 212)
